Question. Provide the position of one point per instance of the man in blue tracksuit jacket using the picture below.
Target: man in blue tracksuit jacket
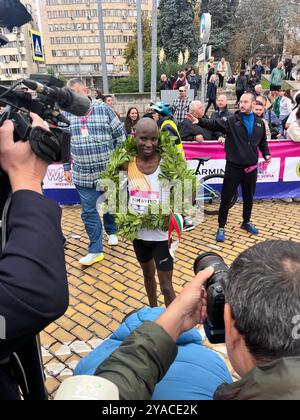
(245, 134)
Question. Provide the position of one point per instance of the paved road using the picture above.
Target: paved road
(100, 296)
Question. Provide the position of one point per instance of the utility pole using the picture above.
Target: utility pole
(77, 29)
(205, 30)
(19, 44)
(203, 77)
(154, 52)
(140, 45)
(103, 52)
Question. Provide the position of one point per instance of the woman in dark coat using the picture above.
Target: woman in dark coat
(212, 92)
(241, 85)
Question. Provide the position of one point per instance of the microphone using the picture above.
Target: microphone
(66, 99)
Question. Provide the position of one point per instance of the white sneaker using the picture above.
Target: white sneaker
(91, 259)
(113, 240)
(287, 200)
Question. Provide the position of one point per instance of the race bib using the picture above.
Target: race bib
(141, 200)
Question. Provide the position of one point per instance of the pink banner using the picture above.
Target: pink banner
(214, 150)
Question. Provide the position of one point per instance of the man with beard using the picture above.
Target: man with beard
(245, 134)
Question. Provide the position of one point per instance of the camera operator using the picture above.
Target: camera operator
(262, 335)
(33, 279)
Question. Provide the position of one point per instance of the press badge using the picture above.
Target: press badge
(84, 132)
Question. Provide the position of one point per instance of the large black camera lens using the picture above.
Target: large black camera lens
(215, 287)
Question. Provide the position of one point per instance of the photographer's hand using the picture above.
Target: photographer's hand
(189, 308)
(25, 170)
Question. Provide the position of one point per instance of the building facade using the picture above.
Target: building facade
(71, 36)
(16, 57)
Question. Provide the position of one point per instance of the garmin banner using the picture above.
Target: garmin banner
(281, 179)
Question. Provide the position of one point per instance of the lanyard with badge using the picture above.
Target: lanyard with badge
(84, 127)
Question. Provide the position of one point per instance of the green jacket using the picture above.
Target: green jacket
(276, 106)
(277, 76)
(141, 361)
(279, 380)
(147, 353)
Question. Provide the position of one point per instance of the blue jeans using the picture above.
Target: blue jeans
(92, 220)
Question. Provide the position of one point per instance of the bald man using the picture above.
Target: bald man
(222, 108)
(190, 130)
(151, 247)
(221, 112)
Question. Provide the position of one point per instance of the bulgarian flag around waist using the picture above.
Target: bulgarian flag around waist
(176, 224)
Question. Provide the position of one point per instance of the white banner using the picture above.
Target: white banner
(54, 178)
(271, 174)
(212, 167)
(217, 167)
(291, 169)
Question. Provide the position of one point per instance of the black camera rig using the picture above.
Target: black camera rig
(48, 99)
(215, 288)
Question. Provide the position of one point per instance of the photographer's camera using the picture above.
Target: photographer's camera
(215, 288)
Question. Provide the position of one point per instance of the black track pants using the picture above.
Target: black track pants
(235, 176)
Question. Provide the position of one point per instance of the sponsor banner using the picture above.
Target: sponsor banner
(54, 178)
(217, 167)
(271, 174)
(291, 169)
(212, 167)
(280, 180)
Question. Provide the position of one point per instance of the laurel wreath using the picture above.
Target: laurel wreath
(173, 167)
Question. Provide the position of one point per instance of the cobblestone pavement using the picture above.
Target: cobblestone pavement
(101, 295)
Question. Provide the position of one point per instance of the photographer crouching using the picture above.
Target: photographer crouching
(262, 327)
(33, 280)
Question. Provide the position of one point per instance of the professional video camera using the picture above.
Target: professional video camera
(215, 287)
(50, 146)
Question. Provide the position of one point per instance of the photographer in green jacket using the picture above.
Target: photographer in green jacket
(262, 323)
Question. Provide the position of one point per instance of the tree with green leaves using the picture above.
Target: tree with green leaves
(223, 24)
(176, 28)
(131, 50)
(259, 29)
(51, 72)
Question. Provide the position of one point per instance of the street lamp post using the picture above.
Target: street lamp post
(80, 57)
(19, 46)
(154, 52)
(77, 30)
(256, 48)
(140, 45)
(103, 53)
(205, 30)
